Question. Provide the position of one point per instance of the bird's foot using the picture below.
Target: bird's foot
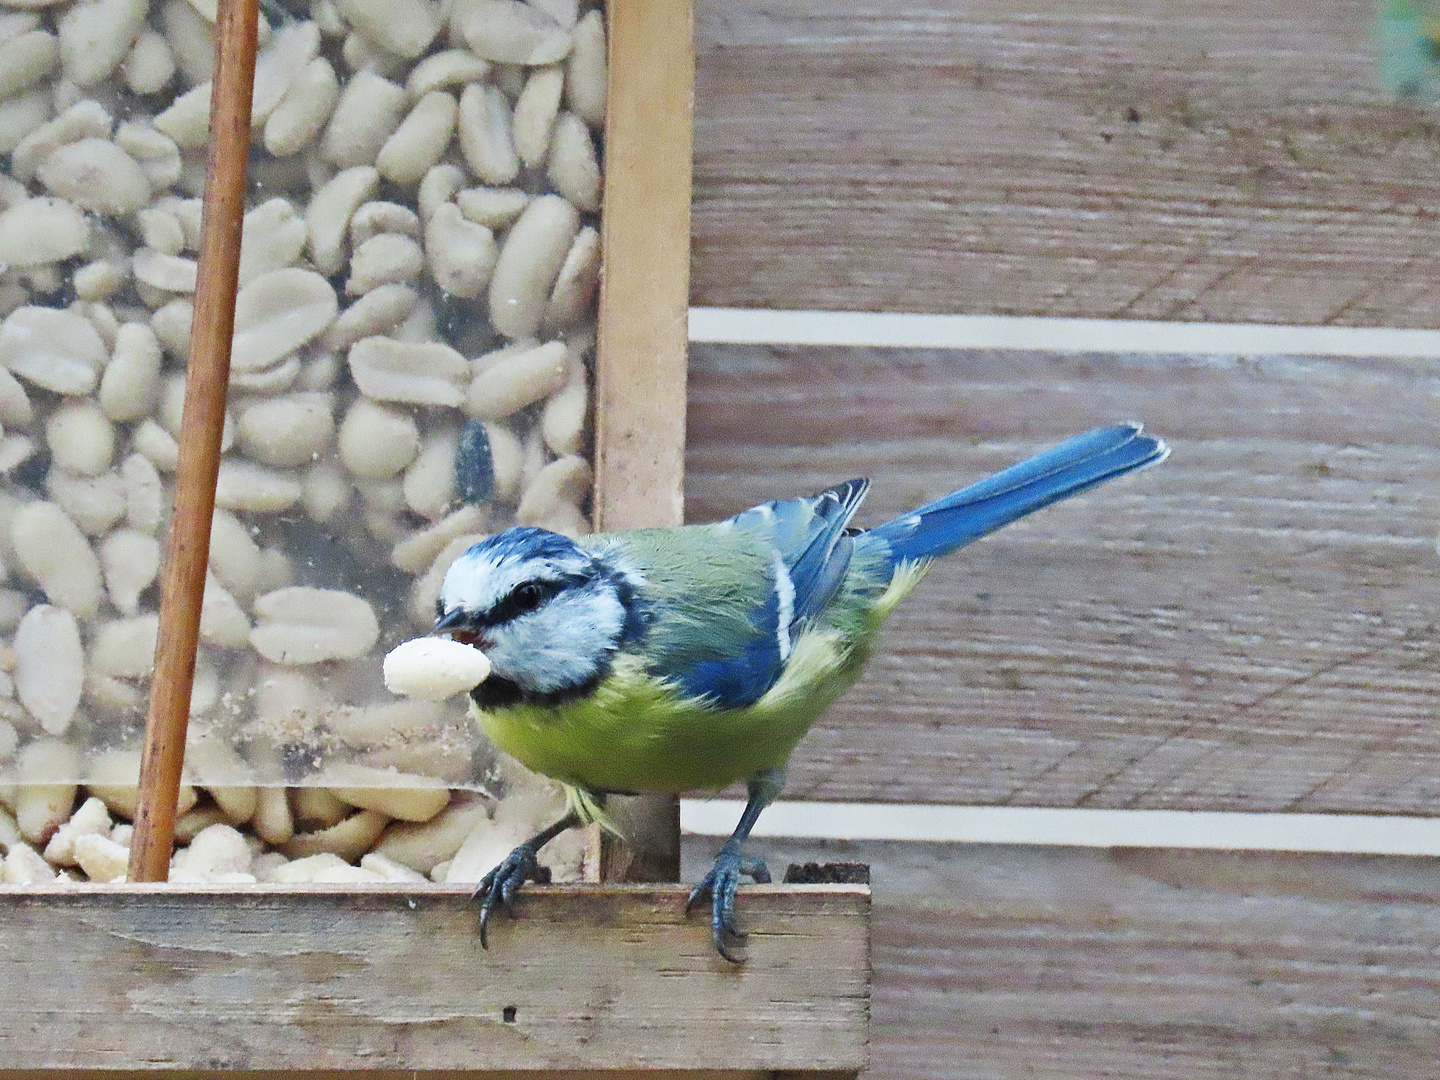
(720, 885)
(501, 884)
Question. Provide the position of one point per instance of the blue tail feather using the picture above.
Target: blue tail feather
(1074, 466)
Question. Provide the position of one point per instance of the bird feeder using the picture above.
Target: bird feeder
(422, 160)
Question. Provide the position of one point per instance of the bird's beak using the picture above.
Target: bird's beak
(451, 620)
(455, 623)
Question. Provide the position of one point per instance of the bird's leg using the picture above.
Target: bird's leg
(731, 864)
(520, 866)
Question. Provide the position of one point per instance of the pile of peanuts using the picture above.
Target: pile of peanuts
(410, 372)
(241, 835)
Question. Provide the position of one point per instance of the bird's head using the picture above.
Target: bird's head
(547, 613)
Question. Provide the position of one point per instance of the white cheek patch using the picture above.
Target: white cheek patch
(563, 644)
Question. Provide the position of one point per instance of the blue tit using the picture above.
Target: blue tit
(683, 659)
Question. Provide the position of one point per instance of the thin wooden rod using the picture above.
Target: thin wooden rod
(643, 342)
(208, 378)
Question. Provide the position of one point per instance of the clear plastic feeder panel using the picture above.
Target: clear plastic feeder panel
(411, 371)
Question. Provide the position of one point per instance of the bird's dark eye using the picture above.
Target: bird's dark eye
(521, 600)
(526, 597)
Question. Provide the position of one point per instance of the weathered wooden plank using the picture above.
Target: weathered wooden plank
(359, 1072)
(993, 963)
(642, 346)
(1182, 159)
(272, 978)
(1251, 626)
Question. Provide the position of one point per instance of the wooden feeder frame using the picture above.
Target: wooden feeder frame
(112, 980)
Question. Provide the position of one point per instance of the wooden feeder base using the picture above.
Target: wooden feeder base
(279, 979)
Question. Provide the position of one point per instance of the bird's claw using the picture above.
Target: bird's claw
(502, 883)
(720, 885)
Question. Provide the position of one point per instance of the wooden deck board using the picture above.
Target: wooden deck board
(315, 978)
(1250, 626)
(1022, 963)
(1227, 160)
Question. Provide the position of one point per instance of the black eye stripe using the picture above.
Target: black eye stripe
(524, 598)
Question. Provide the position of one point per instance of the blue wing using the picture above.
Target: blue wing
(812, 548)
(811, 554)
(809, 539)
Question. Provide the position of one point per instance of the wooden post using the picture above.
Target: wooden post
(203, 421)
(643, 336)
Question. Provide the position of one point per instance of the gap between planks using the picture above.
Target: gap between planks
(903, 330)
(1354, 834)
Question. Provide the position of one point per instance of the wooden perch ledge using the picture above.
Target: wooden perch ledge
(311, 978)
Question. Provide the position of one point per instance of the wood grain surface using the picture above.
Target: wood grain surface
(1019, 963)
(1250, 626)
(1231, 160)
(270, 978)
(359, 1073)
(642, 346)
